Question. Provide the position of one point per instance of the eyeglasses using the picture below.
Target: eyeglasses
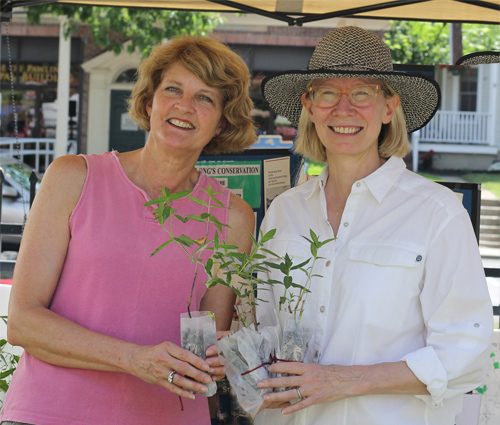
(328, 97)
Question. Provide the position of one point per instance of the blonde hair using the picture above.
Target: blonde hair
(217, 66)
(393, 138)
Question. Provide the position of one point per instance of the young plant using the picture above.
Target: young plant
(239, 271)
(292, 302)
(165, 214)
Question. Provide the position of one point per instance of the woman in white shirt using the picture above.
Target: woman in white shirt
(402, 317)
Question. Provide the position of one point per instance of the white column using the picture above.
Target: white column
(415, 136)
(99, 107)
(60, 147)
(494, 103)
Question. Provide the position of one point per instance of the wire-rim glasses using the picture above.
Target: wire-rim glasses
(359, 95)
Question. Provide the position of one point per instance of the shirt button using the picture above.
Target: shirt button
(328, 262)
(322, 309)
(346, 224)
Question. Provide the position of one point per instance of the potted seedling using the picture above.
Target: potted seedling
(248, 350)
(197, 328)
(295, 336)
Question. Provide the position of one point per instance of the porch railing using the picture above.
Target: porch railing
(38, 152)
(459, 127)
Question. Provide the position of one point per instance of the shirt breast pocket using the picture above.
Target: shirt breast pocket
(387, 272)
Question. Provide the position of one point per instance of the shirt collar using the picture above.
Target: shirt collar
(378, 183)
(381, 181)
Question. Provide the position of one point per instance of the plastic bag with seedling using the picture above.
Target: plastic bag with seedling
(295, 335)
(247, 351)
(198, 330)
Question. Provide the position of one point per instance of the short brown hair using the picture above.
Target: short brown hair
(393, 138)
(217, 66)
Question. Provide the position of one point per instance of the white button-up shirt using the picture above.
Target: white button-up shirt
(402, 281)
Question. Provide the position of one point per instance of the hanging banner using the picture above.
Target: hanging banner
(241, 177)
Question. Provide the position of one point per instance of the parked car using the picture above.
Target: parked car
(15, 197)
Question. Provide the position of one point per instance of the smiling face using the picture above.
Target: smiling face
(348, 114)
(185, 113)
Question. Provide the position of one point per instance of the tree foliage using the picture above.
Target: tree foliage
(428, 43)
(143, 28)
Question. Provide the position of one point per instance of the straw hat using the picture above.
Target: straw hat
(354, 53)
(478, 58)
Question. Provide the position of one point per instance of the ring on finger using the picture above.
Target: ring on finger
(299, 394)
(171, 376)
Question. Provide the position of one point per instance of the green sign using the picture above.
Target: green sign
(241, 177)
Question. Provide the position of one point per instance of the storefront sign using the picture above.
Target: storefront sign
(26, 73)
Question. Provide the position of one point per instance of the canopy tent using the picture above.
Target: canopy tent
(298, 12)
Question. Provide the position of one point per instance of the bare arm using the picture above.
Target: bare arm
(322, 384)
(56, 340)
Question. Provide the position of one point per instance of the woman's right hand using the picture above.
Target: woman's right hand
(153, 364)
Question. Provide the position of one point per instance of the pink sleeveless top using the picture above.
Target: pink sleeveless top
(111, 284)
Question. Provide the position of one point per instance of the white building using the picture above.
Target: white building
(465, 132)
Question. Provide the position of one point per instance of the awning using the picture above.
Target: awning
(297, 12)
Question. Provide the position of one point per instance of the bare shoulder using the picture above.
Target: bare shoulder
(64, 179)
(73, 166)
(240, 213)
(241, 222)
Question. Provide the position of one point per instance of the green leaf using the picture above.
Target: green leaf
(214, 282)
(273, 265)
(182, 218)
(163, 245)
(267, 251)
(239, 255)
(267, 236)
(299, 266)
(184, 240)
(208, 265)
(194, 217)
(326, 241)
(314, 236)
(216, 222)
(228, 246)
(302, 288)
(198, 201)
(4, 374)
(178, 195)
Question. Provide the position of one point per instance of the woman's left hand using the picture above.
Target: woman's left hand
(217, 369)
(309, 384)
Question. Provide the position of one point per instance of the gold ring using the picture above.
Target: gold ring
(170, 377)
(299, 394)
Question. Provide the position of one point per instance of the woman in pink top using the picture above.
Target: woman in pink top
(98, 317)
